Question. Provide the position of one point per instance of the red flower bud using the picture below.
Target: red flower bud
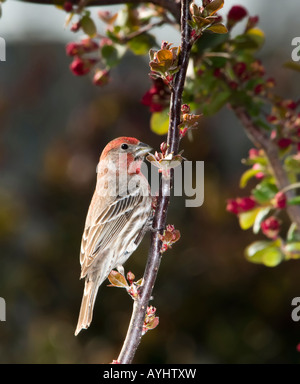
(233, 85)
(280, 200)
(258, 89)
(237, 13)
(232, 206)
(246, 203)
(73, 49)
(270, 227)
(272, 119)
(217, 73)
(284, 143)
(68, 6)
(183, 132)
(239, 69)
(252, 21)
(81, 67)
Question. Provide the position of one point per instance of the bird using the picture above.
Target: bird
(119, 215)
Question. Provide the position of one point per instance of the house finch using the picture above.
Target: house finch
(117, 219)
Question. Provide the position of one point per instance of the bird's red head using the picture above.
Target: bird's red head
(130, 147)
(116, 145)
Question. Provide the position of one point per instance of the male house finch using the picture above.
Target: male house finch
(117, 219)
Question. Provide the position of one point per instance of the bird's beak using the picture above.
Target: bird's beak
(141, 150)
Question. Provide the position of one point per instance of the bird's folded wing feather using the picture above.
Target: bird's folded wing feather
(105, 228)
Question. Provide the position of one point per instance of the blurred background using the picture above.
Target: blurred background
(213, 305)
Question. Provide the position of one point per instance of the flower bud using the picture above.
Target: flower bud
(246, 203)
(68, 6)
(130, 277)
(185, 108)
(280, 200)
(81, 67)
(284, 142)
(236, 14)
(253, 153)
(101, 77)
(232, 206)
(270, 227)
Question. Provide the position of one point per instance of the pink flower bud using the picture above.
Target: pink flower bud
(185, 108)
(150, 311)
(163, 147)
(232, 206)
(253, 153)
(271, 227)
(170, 227)
(130, 277)
(280, 200)
(75, 27)
(183, 132)
(73, 49)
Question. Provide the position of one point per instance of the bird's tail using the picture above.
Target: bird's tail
(87, 305)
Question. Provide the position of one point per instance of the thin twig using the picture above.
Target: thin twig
(134, 332)
(173, 6)
(260, 139)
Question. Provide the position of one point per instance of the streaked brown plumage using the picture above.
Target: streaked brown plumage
(118, 216)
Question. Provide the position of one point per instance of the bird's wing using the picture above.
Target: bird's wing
(101, 233)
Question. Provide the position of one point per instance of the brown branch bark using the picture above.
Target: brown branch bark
(261, 140)
(134, 333)
(173, 6)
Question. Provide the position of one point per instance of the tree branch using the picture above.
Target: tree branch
(260, 139)
(173, 6)
(134, 333)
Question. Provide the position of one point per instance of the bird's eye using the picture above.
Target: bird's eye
(124, 146)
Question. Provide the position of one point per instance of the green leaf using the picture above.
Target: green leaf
(246, 176)
(140, 45)
(263, 212)
(216, 103)
(292, 164)
(292, 65)
(264, 192)
(264, 252)
(293, 233)
(88, 26)
(159, 122)
(218, 28)
(294, 200)
(252, 40)
(247, 219)
(110, 55)
(214, 6)
(292, 250)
